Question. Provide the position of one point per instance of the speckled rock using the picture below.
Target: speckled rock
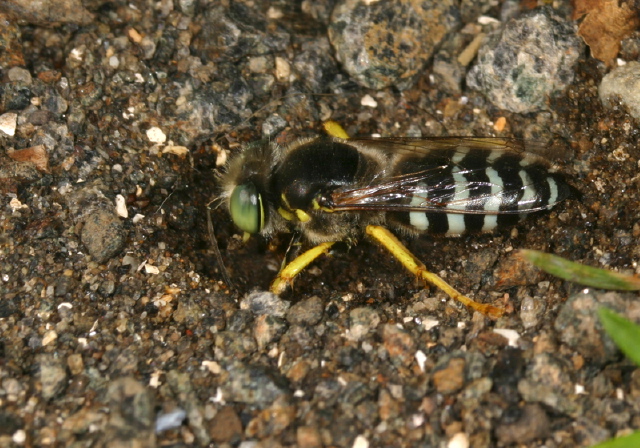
(579, 326)
(235, 345)
(271, 421)
(220, 36)
(399, 344)
(548, 381)
(531, 58)
(21, 75)
(16, 96)
(53, 375)
(449, 375)
(308, 437)
(314, 65)
(524, 426)
(267, 329)
(240, 320)
(362, 321)
(103, 235)
(264, 302)
(182, 386)
(189, 313)
(11, 41)
(388, 43)
(226, 426)
(306, 312)
(49, 12)
(131, 418)
(258, 385)
(621, 86)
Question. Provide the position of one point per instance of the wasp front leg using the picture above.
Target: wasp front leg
(287, 273)
(416, 267)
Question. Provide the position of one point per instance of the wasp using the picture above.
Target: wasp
(334, 188)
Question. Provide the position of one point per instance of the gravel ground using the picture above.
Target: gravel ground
(116, 328)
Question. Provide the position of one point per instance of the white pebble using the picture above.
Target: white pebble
(170, 420)
(361, 442)
(428, 324)
(19, 437)
(49, 337)
(150, 269)
(368, 101)
(16, 205)
(121, 207)
(212, 367)
(511, 335)
(459, 440)
(155, 135)
(114, 62)
(8, 123)
(421, 358)
(283, 69)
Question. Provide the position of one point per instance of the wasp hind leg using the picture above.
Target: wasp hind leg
(385, 238)
(287, 273)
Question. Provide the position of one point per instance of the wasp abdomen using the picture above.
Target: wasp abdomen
(475, 190)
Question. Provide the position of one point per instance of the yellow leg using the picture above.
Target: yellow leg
(413, 265)
(286, 275)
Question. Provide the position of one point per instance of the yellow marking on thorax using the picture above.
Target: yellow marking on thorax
(317, 206)
(302, 215)
(292, 214)
(335, 130)
(286, 214)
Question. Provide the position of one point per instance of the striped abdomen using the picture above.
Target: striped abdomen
(474, 190)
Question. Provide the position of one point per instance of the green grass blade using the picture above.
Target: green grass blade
(579, 273)
(624, 333)
(630, 441)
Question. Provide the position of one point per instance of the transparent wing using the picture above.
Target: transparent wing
(450, 183)
(428, 146)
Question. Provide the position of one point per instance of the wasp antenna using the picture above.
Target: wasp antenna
(215, 203)
(216, 251)
(218, 174)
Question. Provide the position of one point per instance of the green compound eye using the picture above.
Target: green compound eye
(245, 206)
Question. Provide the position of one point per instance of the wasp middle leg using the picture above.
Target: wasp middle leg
(386, 239)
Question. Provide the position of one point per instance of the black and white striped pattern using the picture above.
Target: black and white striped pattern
(497, 188)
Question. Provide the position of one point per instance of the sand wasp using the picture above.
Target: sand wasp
(333, 188)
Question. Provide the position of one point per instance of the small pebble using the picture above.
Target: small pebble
(388, 43)
(103, 235)
(225, 427)
(8, 123)
(264, 302)
(306, 312)
(621, 86)
(361, 322)
(533, 424)
(53, 376)
(399, 344)
(450, 377)
(530, 58)
(19, 74)
(170, 420)
(155, 135)
(267, 329)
